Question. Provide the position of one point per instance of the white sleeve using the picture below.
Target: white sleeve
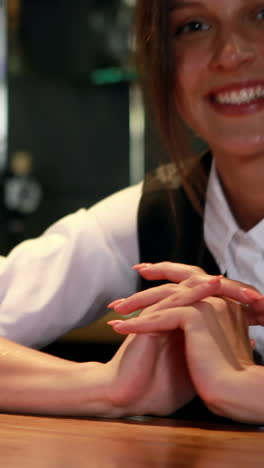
(66, 277)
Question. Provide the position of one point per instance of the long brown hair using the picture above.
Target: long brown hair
(155, 65)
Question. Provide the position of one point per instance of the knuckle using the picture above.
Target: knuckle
(181, 296)
(155, 316)
(169, 288)
(166, 264)
(197, 279)
(174, 298)
(196, 269)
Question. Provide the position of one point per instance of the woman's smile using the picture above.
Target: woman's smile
(238, 99)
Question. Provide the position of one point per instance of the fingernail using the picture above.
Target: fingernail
(139, 266)
(251, 294)
(114, 304)
(114, 322)
(253, 343)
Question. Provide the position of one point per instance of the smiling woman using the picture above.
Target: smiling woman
(196, 223)
(207, 70)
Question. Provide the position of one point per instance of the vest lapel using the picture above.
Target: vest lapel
(169, 228)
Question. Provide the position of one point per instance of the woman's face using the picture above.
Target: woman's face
(218, 49)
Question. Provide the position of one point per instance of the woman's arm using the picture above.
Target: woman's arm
(148, 375)
(35, 382)
(65, 278)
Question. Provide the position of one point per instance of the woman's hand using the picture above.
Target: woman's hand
(218, 351)
(195, 286)
(149, 375)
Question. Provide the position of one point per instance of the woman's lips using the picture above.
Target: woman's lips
(238, 109)
(238, 98)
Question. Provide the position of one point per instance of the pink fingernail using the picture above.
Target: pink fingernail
(114, 304)
(252, 294)
(139, 266)
(115, 322)
(253, 344)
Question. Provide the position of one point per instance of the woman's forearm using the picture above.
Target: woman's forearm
(148, 375)
(35, 382)
(240, 396)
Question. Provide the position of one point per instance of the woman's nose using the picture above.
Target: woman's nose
(232, 52)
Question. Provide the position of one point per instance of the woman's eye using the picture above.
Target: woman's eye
(191, 27)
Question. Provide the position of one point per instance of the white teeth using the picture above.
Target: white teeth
(244, 96)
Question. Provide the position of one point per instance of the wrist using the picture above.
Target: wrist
(238, 395)
(92, 392)
(74, 389)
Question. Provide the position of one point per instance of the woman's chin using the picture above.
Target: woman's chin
(239, 149)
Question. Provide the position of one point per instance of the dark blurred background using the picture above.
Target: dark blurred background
(69, 81)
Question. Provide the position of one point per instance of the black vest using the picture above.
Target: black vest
(169, 228)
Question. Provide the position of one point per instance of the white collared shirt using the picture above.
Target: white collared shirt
(239, 254)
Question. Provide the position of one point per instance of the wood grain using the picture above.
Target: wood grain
(38, 442)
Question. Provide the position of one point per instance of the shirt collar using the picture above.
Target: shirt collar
(219, 223)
